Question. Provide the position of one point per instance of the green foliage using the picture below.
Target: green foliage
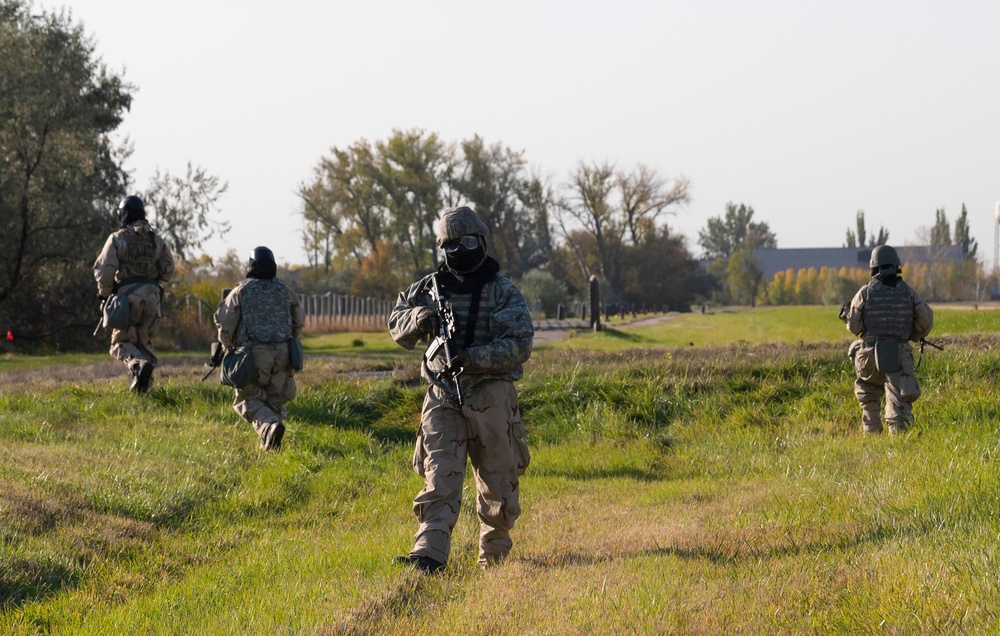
(663, 481)
(59, 174)
(180, 208)
(541, 286)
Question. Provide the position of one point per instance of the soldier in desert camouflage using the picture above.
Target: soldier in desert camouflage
(885, 314)
(492, 340)
(135, 262)
(263, 314)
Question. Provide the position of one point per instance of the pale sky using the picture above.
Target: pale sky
(805, 110)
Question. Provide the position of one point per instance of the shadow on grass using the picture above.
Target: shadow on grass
(622, 336)
(23, 581)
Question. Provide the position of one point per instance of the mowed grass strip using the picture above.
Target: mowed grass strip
(672, 490)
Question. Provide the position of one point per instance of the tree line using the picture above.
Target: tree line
(369, 209)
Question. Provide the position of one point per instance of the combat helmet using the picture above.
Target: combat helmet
(261, 263)
(458, 222)
(884, 262)
(131, 209)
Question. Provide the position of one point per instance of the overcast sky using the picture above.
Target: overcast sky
(807, 111)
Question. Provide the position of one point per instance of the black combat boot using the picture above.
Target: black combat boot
(272, 436)
(420, 562)
(142, 377)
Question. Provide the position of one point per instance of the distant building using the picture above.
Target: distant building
(777, 260)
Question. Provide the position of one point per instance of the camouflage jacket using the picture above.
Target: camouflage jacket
(133, 252)
(502, 334)
(259, 310)
(884, 310)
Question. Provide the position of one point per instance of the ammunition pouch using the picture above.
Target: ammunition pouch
(296, 357)
(116, 311)
(238, 369)
(887, 355)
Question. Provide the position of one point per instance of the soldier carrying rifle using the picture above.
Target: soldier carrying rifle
(129, 271)
(481, 335)
(885, 314)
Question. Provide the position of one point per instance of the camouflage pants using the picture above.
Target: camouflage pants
(135, 343)
(900, 389)
(262, 403)
(487, 430)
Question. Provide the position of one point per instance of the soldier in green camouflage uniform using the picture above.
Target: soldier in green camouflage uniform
(264, 314)
(492, 341)
(135, 261)
(885, 314)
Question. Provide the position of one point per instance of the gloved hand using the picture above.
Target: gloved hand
(102, 300)
(217, 352)
(426, 320)
(461, 361)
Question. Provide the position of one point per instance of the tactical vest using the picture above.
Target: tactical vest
(888, 311)
(265, 311)
(136, 254)
(462, 305)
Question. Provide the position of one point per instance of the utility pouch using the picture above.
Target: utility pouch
(296, 357)
(116, 311)
(238, 369)
(887, 355)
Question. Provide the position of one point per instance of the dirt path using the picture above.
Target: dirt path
(549, 331)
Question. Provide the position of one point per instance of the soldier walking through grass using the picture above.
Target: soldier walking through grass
(885, 314)
(471, 408)
(259, 323)
(133, 265)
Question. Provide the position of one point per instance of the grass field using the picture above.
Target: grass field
(715, 487)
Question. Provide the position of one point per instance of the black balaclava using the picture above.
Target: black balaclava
(465, 261)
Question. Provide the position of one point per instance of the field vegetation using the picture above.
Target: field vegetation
(706, 474)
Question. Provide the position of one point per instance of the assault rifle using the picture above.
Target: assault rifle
(215, 360)
(100, 320)
(925, 341)
(217, 349)
(443, 340)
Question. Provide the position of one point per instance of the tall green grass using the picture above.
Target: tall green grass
(672, 489)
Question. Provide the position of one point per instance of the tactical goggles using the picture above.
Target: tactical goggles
(469, 242)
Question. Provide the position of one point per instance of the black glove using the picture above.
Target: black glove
(217, 352)
(426, 320)
(102, 300)
(461, 361)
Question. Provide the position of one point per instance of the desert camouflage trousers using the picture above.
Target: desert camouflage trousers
(900, 389)
(135, 343)
(262, 403)
(487, 430)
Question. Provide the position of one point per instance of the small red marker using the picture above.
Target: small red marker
(10, 335)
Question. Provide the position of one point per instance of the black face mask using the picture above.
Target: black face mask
(463, 261)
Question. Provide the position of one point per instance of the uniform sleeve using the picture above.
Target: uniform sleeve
(404, 319)
(298, 315)
(165, 265)
(105, 267)
(855, 321)
(923, 318)
(511, 334)
(227, 318)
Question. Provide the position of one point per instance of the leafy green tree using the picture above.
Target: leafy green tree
(744, 277)
(181, 208)
(858, 239)
(541, 286)
(411, 168)
(940, 231)
(660, 271)
(60, 171)
(724, 236)
(963, 237)
(494, 181)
